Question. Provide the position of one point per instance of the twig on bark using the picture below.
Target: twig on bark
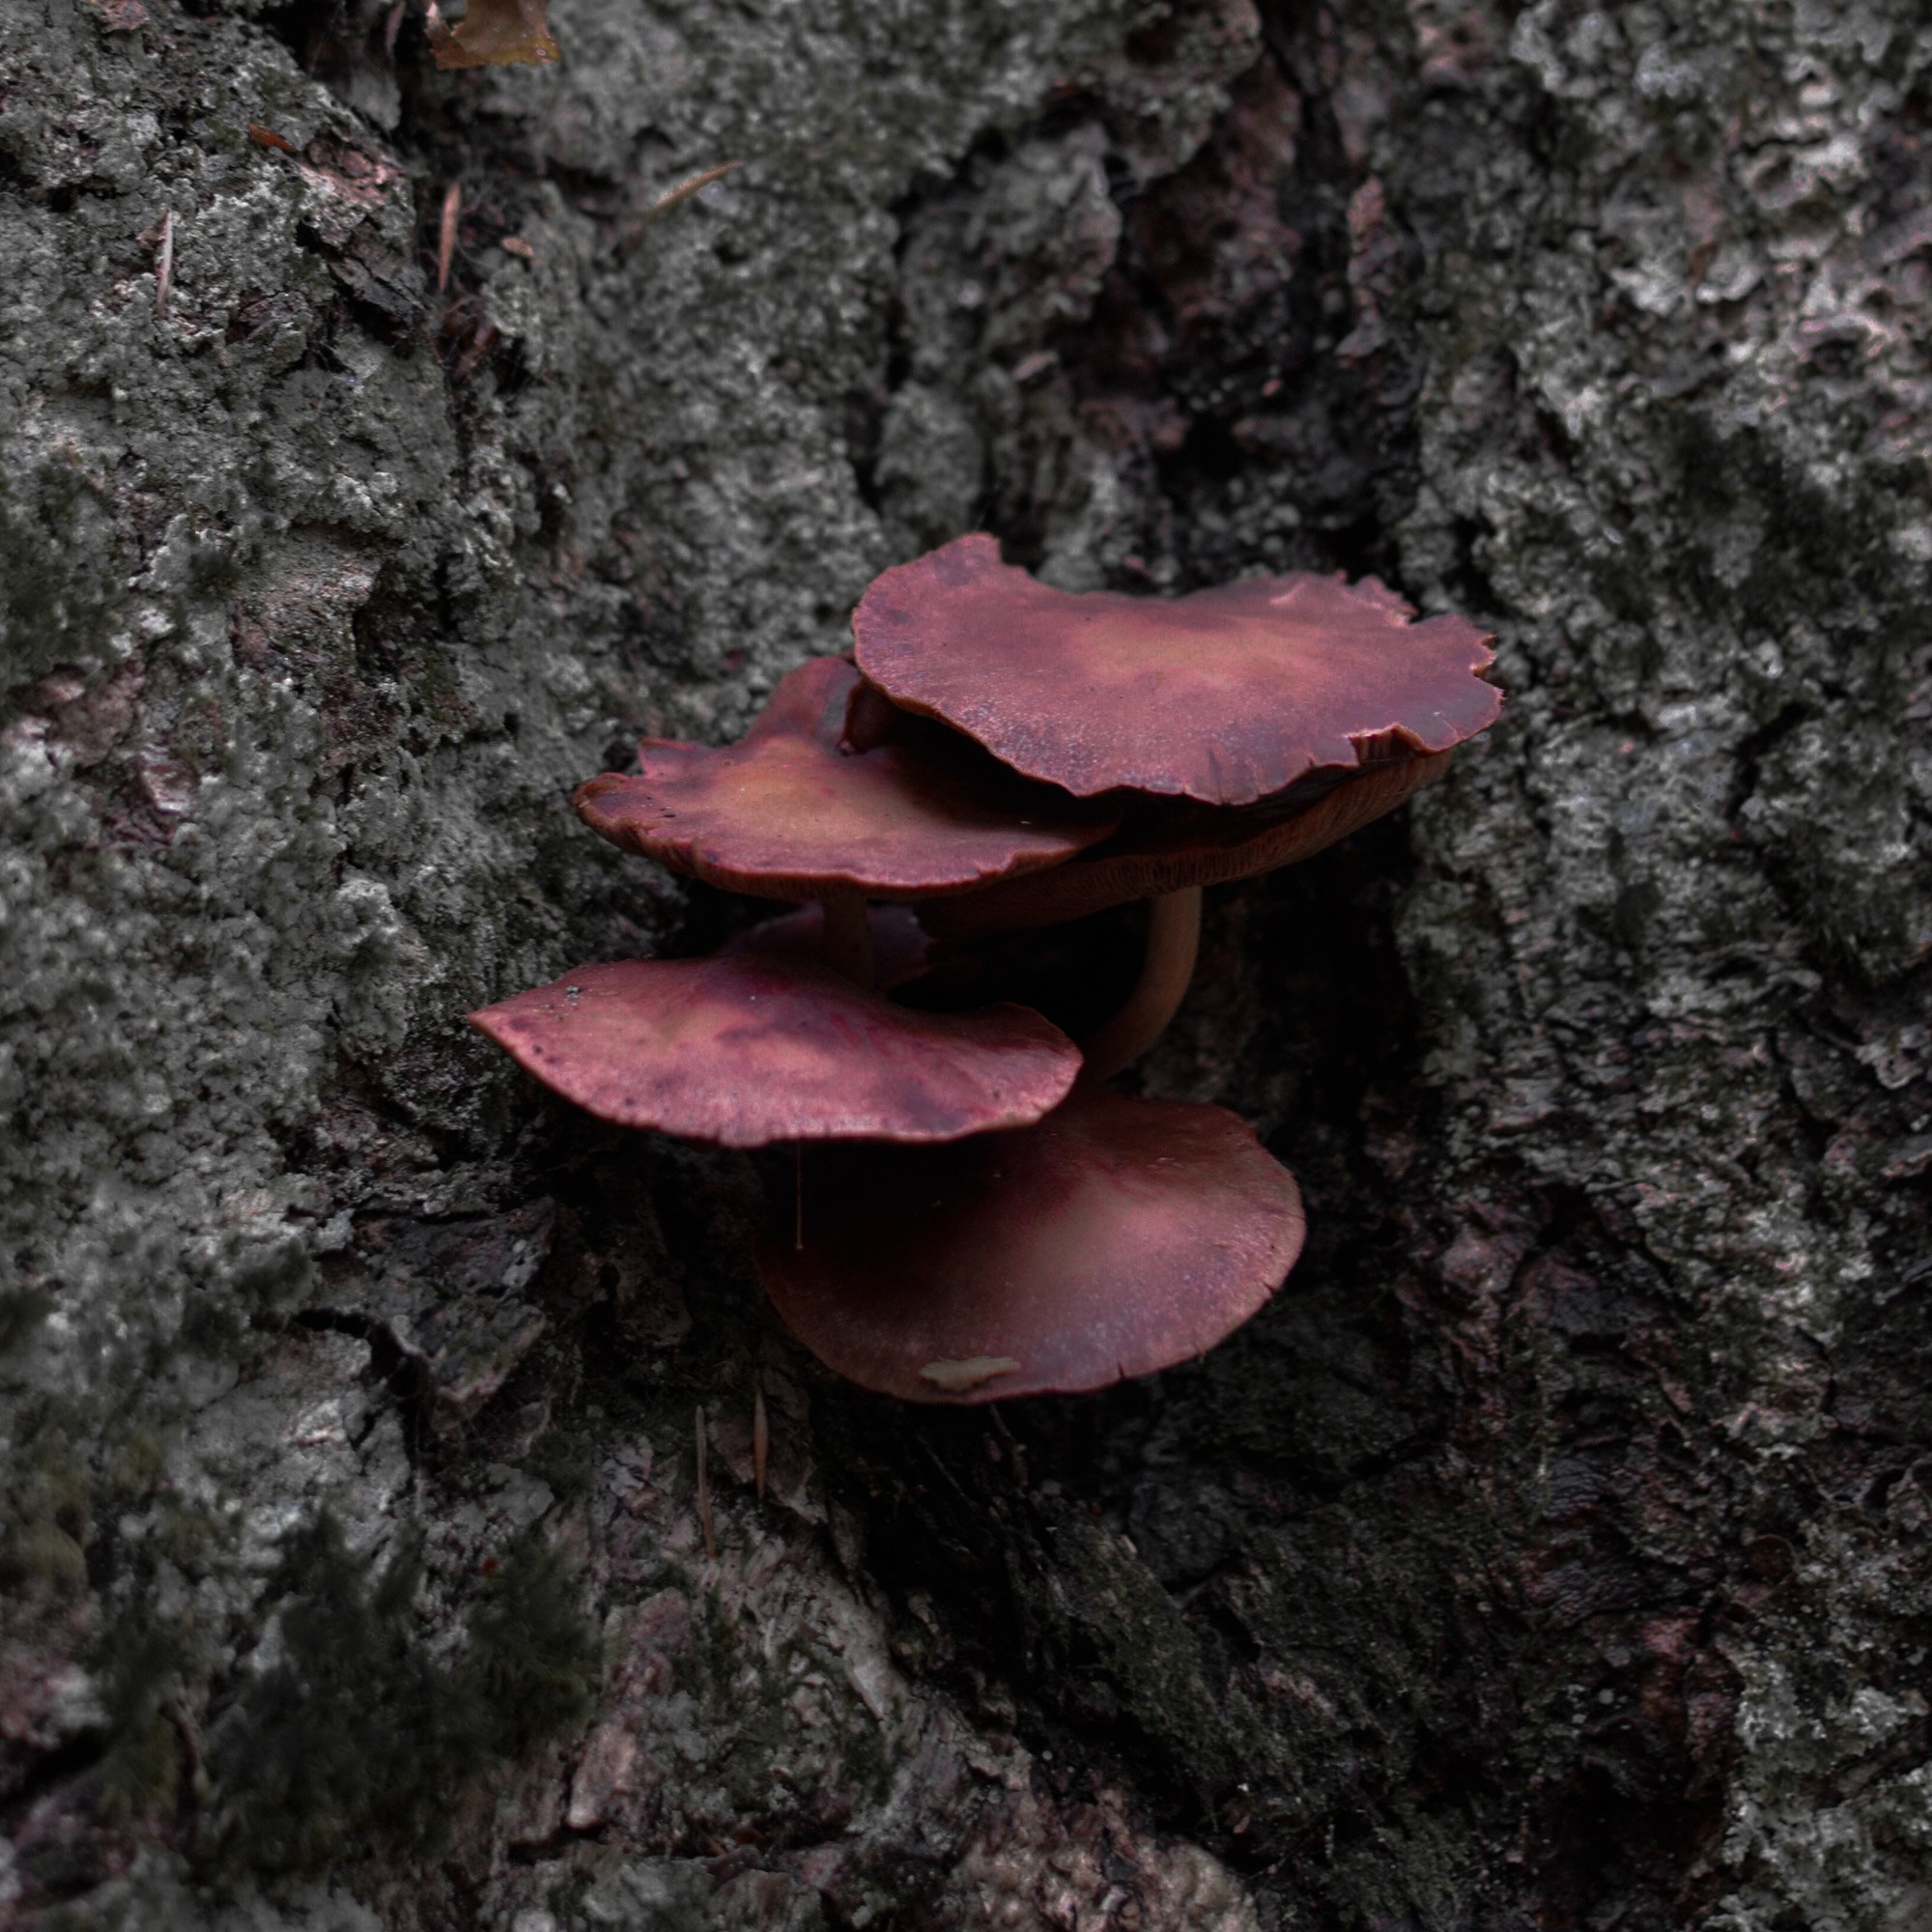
(704, 1491)
(445, 244)
(668, 200)
(685, 189)
(165, 263)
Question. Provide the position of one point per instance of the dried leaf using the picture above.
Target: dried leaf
(492, 32)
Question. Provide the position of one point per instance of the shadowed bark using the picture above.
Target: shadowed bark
(414, 1516)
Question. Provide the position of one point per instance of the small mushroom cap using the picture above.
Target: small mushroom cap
(785, 813)
(1115, 1238)
(1223, 695)
(746, 1048)
(1211, 848)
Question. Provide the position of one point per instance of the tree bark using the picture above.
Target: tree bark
(1551, 1553)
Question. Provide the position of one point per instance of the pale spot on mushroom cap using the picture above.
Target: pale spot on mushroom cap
(955, 1377)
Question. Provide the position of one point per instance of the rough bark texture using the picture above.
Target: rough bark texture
(1555, 1551)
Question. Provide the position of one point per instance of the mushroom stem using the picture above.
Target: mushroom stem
(1173, 941)
(848, 937)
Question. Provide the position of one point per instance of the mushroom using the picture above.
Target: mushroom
(787, 813)
(750, 1047)
(1167, 864)
(1307, 702)
(901, 947)
(1114, 1237)
(1205, 848)
(1225, 696)
(1062, 1237)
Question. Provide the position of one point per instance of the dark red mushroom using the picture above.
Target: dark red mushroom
(1168, 867)
(1199, 847)
(748, 1048)
(1224, 696)
(1115, 1238)
(786, 814)
(1066, 1236)
(1238, 697)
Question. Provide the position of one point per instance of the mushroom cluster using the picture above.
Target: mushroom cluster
(993, 1220)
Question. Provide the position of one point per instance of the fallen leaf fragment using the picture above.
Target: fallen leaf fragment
(492, 32)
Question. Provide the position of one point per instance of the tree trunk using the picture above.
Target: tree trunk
(380, 1542)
